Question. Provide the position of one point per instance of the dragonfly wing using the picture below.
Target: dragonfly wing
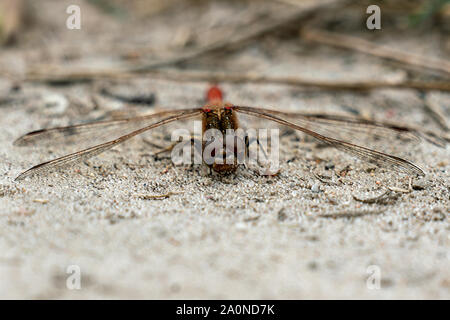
(82, 155)
(328, 132)
(90, 134)
(352, 126)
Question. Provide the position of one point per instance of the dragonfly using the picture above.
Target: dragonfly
(220, 115)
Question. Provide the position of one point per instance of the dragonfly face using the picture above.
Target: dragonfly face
(221, 118)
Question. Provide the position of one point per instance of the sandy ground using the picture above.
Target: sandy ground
(246, 236)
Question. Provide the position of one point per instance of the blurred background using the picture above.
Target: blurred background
(305, 40)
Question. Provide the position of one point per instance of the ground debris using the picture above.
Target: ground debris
(351, 214)
(251, 219)
(382, 197)
(281, 216)
(374, 199)
(157, 196)
(324, 179)
(43, 201)
(402, 190)
(145, 99)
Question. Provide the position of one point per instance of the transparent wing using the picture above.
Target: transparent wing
(351, 128)
(330, 127)
(93, 133)
(80, 130)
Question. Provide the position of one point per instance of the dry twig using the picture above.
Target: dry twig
(201, 76)
(402, 190)
(157, 197)
(350, 214)
(388, 190)
(374, 199)
(434, 65)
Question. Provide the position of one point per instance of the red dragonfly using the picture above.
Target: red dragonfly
(220, 115)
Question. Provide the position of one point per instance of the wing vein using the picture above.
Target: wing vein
(96, 150)
(367, 154)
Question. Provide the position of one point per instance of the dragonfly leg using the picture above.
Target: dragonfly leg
(248, 142)
(197, 143)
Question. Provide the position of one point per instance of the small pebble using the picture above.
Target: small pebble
(241, 226)
(55, 103)
(43, 201)
(419, 185)
(315, 188)
(329, 166)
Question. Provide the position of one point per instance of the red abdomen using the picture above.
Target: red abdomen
(214, 94)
